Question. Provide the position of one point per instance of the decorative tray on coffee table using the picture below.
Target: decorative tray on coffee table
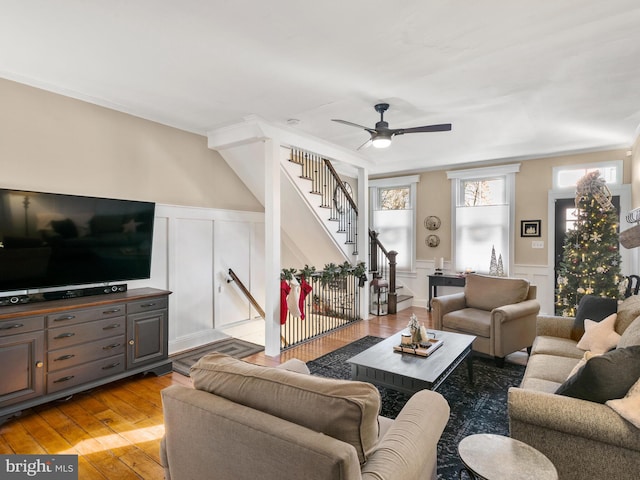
(422, 349)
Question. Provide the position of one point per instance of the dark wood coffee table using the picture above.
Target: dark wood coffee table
(409, 373)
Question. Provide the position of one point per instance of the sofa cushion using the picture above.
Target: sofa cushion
(599, 337)
(593, 308)
(486, 292)
(469, 320)
(629, 406)
(558, 346)
(631, 335)
(628, 311)
(343, 409)
(549, 367)
(605, 377)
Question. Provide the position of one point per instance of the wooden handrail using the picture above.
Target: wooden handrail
(334, 174)
(256, 305)
(247, 293)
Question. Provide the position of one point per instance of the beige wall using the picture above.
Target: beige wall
(53, 143)
(532, 187)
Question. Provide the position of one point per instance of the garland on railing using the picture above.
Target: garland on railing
(330, 273)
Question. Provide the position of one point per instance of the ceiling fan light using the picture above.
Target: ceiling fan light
(381, 141)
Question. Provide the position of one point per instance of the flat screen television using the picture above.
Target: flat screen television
(54, 240)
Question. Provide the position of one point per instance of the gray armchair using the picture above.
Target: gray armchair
(244, 422)
(501, 312)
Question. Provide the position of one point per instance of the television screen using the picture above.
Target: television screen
(52, 240)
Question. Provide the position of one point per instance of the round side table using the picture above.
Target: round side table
(495, 457)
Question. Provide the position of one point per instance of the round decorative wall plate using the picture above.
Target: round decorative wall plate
(432, 222)
(432, 240)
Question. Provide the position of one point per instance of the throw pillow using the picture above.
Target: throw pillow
(631, 335)
(587, 355)
(629, 406)
(594, 308)
(605, 377)
(628, 311)
(599, 337)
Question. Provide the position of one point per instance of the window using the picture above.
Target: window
(484, 191)
(482, 216)
(393, 216)
(567, 176)
(395, 198)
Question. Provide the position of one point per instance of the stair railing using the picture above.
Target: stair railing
(335, 196)
(326, 182)
(252, 300)
(383, 264)
(330, 304)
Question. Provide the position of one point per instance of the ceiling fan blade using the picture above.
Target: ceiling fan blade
(443, 127)
(351, 124)
(365, 144)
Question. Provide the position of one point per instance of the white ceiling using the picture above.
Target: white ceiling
(516, 78)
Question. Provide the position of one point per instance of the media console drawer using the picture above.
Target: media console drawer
(78, 316)
(21, 325)
(86, 352)
(147, 305)
(71, 377)
(85, 332)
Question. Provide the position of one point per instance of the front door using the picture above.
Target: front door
(565, 219)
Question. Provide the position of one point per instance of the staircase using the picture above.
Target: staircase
(317, 176)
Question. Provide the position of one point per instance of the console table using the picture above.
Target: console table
(436, 281)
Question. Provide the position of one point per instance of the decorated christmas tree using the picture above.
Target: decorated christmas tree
(590, 260)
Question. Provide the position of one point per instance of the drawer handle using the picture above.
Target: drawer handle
(113, 365)
(64, 335)
(62, 319)
(147, 305)
(115, 310)
(111, 327)
(111, 347)
(64, 379)
(64, 357)
(9, 327)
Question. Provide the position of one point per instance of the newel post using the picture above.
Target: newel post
(393, 296)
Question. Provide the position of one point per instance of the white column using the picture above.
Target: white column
(272, 246)
(363, 237)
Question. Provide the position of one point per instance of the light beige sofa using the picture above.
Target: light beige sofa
(244, 421)
(501, 312)
(583, 439)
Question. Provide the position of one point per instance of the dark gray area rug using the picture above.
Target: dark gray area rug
(477, 408)
(234, 347)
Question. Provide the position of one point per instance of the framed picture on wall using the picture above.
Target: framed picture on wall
(530, 228)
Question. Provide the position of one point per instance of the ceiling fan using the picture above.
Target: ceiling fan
(381, 135)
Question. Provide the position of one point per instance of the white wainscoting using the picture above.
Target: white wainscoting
(193, 250)
(417, 284)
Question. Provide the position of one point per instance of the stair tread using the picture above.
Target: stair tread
(402, 298)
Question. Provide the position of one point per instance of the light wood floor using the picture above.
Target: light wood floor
(116, 429)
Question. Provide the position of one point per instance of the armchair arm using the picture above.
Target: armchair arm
(572, 416)
(445, 304)
(552, 326)
(409, 448)
(507, 313)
